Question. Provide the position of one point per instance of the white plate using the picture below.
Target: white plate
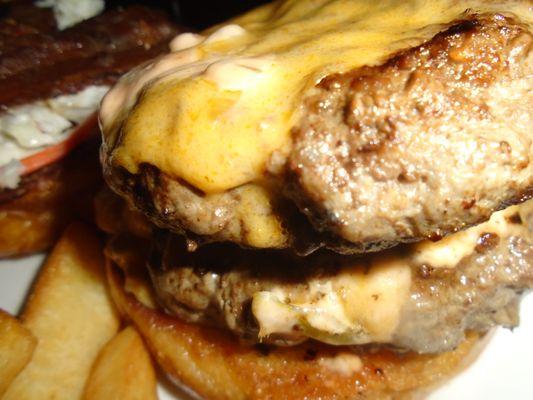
(502, 371)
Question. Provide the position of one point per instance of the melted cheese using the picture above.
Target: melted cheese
(363, 302)
(353, 307)
(447, 252)
(70, 12)
(213, 111)
(261, 227)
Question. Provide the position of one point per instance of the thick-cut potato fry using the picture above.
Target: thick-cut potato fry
(71, 315)
(16, 348)
(123, 370)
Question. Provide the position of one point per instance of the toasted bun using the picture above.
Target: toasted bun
(33, 215)
(215, 365)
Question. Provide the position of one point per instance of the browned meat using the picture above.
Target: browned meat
(430, 142)
(215, 285)
(41, 64)
(22, 17)
(33, 216)
(172, 204)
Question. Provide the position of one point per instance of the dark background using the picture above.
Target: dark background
(197, 14)
(201, 13)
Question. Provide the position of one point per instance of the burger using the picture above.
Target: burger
(326, 199)
(53, 74)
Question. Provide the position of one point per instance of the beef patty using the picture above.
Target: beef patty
(434, 140)
(430, 142)
(222, 285)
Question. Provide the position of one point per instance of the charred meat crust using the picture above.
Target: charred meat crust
(41, 64)
(33, 216)
(18, 18)
(29, 182)
(416, 148)
(175, 205)
(430, 142)
(51, 171)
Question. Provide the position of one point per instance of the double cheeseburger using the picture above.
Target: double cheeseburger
(51, 83)
(331, 198)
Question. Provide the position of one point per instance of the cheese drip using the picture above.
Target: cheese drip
(213, 110)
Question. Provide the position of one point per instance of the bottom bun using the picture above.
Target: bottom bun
(33, 215)
(215, 365)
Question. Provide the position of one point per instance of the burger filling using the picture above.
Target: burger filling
(422, 297)
(28, 129)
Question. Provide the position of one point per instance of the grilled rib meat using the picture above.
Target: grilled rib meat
(37, 64)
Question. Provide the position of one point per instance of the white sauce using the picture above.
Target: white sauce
(10, 174)
(225, 32)
(185, 41)
(69, 12)
(30, 128)
(238, 74)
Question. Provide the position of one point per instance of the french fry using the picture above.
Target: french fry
(123, 370)
(71, 315)
(16, 348)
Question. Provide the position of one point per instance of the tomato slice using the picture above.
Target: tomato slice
(82, 132)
